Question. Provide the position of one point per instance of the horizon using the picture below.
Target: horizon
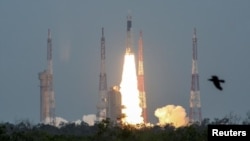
(223, 31)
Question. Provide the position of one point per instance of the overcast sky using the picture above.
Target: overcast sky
(223, 32)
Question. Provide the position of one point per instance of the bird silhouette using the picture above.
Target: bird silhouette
(217, 82)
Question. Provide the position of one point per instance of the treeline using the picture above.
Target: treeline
(107, 131)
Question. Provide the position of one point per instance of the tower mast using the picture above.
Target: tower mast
(195, 103)
(50, 80)
(140, 78)
(49, 52)
(47, 98)
(102, 103)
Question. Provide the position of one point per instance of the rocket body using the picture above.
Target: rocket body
(129, 23)
(129, 35)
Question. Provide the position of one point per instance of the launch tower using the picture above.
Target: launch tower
(140, 78)
(195, 103)
(102, 101)
(114, 105)
(47, 99)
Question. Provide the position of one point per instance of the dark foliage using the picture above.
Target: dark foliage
(107, 131)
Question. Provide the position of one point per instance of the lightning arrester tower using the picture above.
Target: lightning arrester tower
(47, 98)
(195, 103)
(50, 71)
(102, 102)
(140, 78)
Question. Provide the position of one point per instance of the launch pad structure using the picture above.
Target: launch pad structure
(140, 77)
(114, 107)
(47, 98)
(195, 102)
(102, 97)
(109, 103)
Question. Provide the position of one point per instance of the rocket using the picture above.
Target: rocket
(129, 36)
(129, 23)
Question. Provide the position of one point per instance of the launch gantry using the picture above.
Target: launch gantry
(47, 98)
(140, 78)
(102, 101)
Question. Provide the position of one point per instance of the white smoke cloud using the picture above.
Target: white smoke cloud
(90, 119)
(171, 114)
(78, 122)
(59, 121)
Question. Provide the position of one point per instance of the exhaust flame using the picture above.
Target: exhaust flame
(171, 114)
(129, 92)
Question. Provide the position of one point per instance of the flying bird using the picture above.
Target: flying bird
(217, 82)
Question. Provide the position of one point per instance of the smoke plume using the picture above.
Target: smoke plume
(171, 114)
(59, 121)
(90, 119)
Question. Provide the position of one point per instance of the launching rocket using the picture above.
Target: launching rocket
(130, 99)
(129, 35)
(129, 23)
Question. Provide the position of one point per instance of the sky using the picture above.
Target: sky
(223, 29)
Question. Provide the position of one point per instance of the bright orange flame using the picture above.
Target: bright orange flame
(129, 92)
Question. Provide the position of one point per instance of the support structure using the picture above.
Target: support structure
(102, 101)
(114, 108)
(47, 98)
(195, 103)
(140, 77)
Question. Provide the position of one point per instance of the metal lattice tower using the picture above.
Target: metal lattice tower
(50, 71)
(102, 102)
(140, 78)
(47, 98)
(195, 103)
